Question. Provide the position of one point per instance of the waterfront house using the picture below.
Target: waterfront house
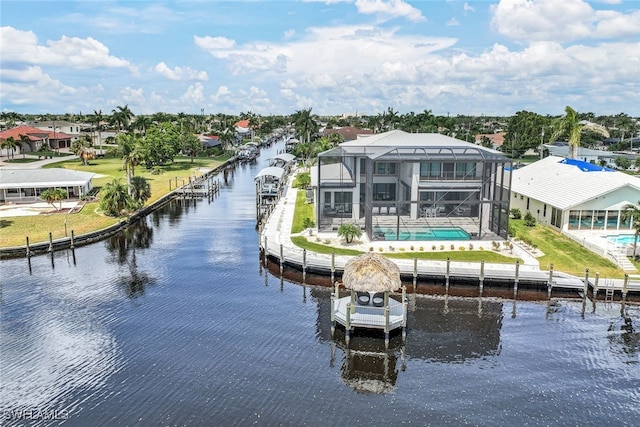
(571, 194)
(413, 186)
(26, 185)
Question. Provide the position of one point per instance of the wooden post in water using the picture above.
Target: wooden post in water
(28, 249)
(550, 281)
(281, 258)
(481, 284)
(625, 287)
(333, 266)
(265, 251)
(404, 313)
(446, 274)
(386, 325)
(347, 326)
(72, 238)
(516, 279)
(586, 282)
(50, 242)
(595, 286)
(415, 274)
(304, 264)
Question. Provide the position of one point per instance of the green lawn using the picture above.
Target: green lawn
(37, 228)
(306, 210)
(565, 254)
(303, 210)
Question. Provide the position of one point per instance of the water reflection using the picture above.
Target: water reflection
(367, 367)
(122, 247)
(624, 338)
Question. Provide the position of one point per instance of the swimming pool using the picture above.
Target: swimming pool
(622, 239)
(440, 233)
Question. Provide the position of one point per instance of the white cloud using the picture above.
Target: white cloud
(71, 52)
(210, 43)
(389, 9)
(468, 8)
(453, 22)
(562, 21)
(194, 94)
(180, 73)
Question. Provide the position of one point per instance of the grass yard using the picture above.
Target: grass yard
(565, 254)
(303, 210)
(37, 228)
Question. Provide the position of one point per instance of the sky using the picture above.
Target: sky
(337, 57)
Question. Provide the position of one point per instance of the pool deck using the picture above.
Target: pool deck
(277, 232)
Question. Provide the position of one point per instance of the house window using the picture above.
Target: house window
(528, 200)
(383, 191)
(385, 168)
(343, 202)
(430, 169)
(465, 170)
(544, 210)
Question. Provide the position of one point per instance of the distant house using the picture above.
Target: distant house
(209, 141)
(37, 138)
(497, 139)
(573, 194)
(586, 154)
(26, 185)
(61, 132)
(349, 133)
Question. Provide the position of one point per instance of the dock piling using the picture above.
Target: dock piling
(516, 279)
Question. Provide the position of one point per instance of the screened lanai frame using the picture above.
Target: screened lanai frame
(341, 179)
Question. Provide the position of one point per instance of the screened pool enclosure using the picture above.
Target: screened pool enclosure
(402, 186)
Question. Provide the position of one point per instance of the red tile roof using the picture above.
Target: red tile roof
(349, 133)
(243, 124)
(34, 134)
(496, 138)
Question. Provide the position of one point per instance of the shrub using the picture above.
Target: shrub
(349, 232)
(401, 249)
(442, 247)
(370, 248)
(512, 230)
(422, 249)
(433, 248)
(529, 220)
(453, 247)
(470, 246)
(461, 248)
(515, 213)
(496, 245)
(308, 223)
(381, 249)
(412, 248)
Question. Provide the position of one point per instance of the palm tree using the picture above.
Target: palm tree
(53, 195)
(349, 232)
(10, 144)
(140, 190)
(25, 140)
(304, 124)
(82, 148)
(129, 148)
(142, 123)
(632, 213)
(98, 121)
(122, 117)
(114, 198)
(570, 126)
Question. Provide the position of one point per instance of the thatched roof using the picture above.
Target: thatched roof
(371, 272)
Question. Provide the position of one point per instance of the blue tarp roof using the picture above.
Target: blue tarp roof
(585, 166)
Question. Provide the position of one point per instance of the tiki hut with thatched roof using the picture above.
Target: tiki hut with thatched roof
(370, 277)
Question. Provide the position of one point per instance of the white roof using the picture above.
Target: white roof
(270, 171)
(286, 157)
(565, 185)
(54, 177)
(420, 145)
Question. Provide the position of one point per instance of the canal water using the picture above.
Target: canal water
(175, 322)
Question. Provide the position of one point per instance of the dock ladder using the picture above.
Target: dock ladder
(608, 291)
